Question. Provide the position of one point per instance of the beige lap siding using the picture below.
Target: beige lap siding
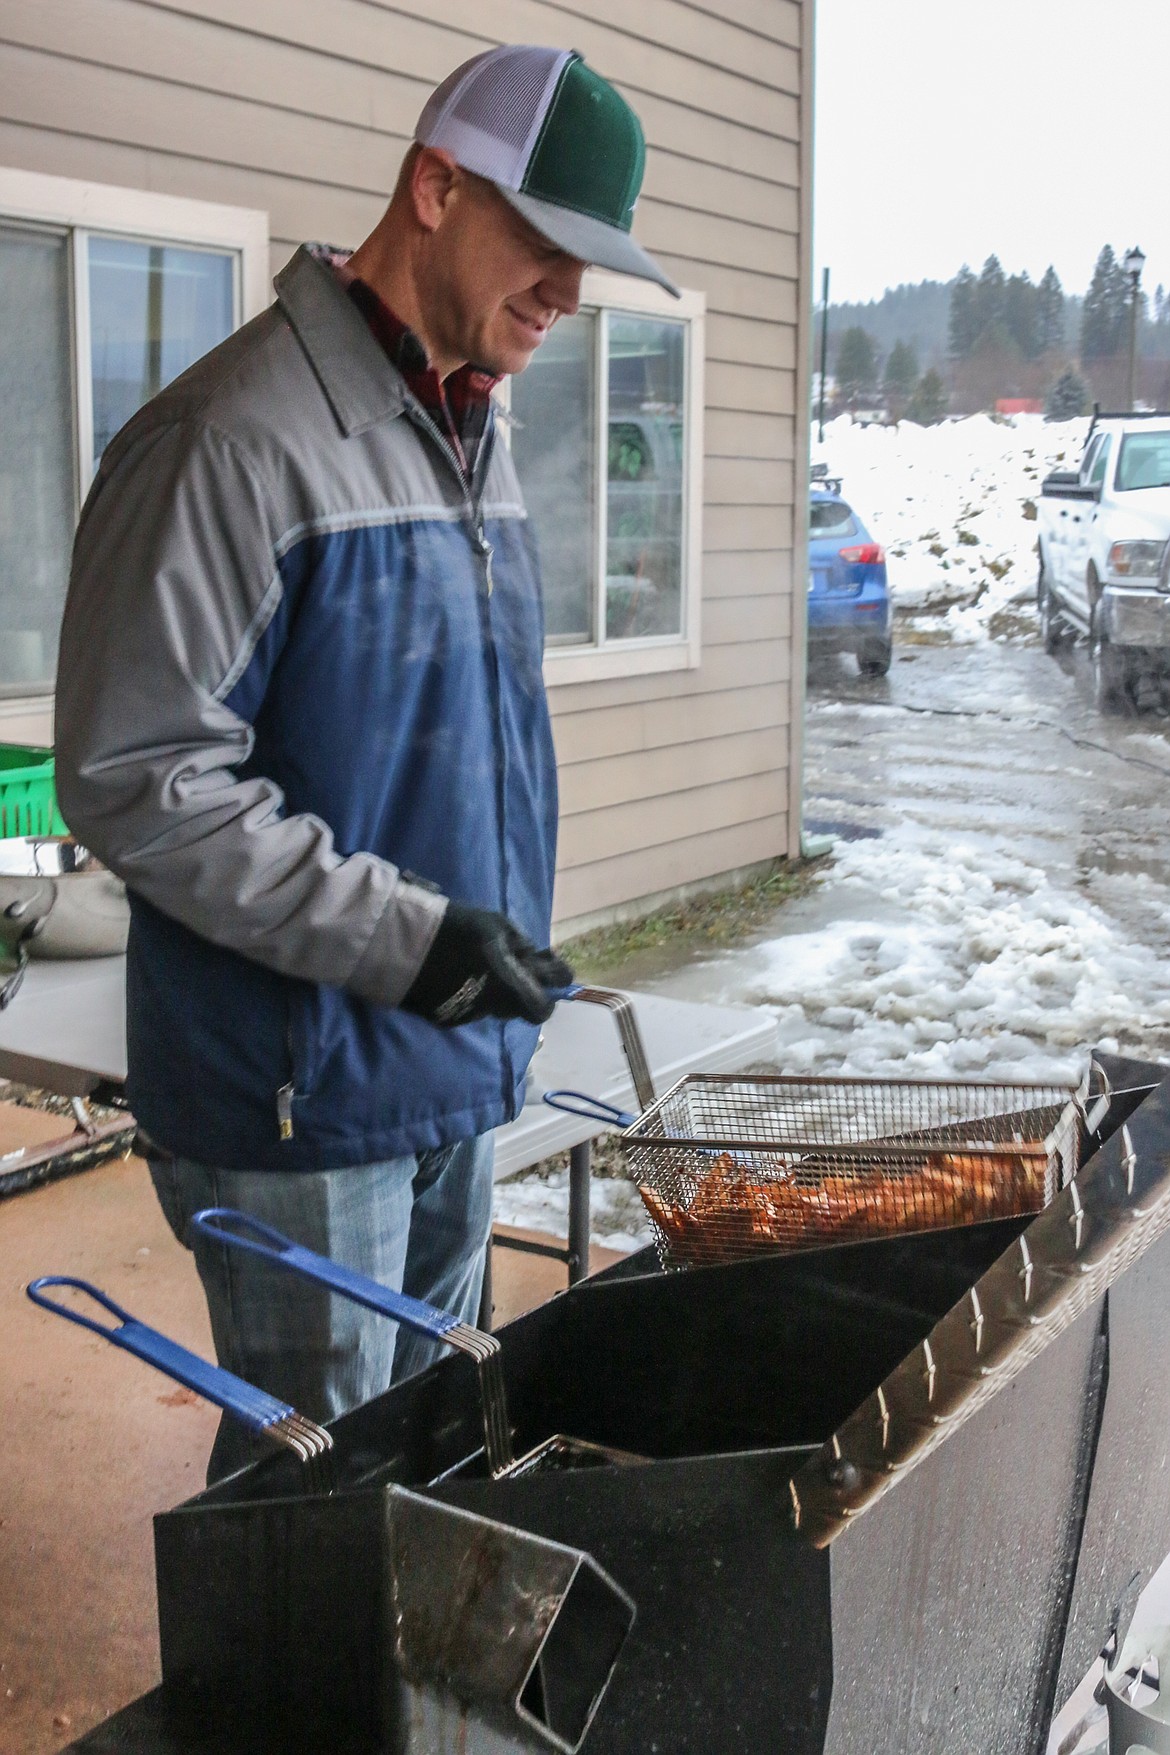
(304, 109)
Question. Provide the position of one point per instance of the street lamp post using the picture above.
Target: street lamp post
(1134, 262)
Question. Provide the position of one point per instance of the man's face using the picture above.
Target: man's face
(494, 285)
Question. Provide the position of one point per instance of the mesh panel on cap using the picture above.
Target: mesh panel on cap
(439, 101)
(488, 113)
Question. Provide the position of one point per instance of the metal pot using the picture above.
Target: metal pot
(56, 900)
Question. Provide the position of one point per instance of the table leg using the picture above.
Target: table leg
(580, 1161)
(485, 1296)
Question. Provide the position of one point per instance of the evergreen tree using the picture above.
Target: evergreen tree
(1050, 313)
(1021, 315)
(929, 402)
(990, 296)
(1104, 311)
(857, 366)
(961, 327)
(900, 377)
(1068, 397)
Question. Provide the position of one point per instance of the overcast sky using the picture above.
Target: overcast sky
(1037, 129)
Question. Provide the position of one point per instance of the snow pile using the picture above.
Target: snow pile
(986, 968)
(953, 505)
(540, 1202)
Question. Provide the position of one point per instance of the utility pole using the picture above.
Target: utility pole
(1134, 263)
(816, 846)
(824, 356)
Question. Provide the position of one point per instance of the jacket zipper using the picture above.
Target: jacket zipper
(286, 1093)
(473, 494)
(473, 504)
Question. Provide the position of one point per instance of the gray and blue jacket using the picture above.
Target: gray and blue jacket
(300, 683)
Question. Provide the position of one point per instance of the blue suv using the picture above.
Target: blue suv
(848, 596)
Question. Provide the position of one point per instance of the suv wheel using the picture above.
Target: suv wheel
(874, 658)
(1052, 626)
(1109, 666)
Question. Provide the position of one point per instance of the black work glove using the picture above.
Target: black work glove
(481, 966)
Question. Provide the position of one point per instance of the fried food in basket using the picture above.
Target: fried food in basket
(737, 1209)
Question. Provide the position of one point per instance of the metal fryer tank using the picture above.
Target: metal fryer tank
(953, 1610)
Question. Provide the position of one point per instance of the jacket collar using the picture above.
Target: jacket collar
(362, 386)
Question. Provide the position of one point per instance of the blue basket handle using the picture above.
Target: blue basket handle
(592, 1108)
(559, 993)
(240, 1231)
(253, 1407)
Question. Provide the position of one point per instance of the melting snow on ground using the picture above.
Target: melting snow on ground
(540, 1202)
(986, 968)
(955, 508)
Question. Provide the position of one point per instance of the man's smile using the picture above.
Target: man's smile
(535, 328)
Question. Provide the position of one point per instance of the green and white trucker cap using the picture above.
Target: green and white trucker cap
(557, 141)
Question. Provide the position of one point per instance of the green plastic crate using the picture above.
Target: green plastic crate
(28, 801)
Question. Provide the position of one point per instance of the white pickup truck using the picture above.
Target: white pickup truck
(1105, 553)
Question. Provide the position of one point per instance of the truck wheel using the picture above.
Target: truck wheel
(1146, 685)
(1052, 626)
(1109, 667)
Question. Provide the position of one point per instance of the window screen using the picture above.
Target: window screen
(554, 444)
(565, 465)
(644, 498)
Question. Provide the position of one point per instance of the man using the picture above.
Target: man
(300, 711)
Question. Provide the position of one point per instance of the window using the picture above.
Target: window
(38, 500)
(605, 435)
(1144, 461)
(153, 310)
(830, 518)
(1097, 473)
(105, 296)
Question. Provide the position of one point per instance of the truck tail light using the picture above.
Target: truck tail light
(869, 554)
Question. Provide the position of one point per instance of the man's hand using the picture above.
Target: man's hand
(481, 966)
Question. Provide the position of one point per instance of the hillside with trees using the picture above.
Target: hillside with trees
(916, 315)
(992, 335)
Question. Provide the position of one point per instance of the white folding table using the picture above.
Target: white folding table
(65, 1031)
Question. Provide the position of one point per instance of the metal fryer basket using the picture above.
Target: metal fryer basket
(728, 1164)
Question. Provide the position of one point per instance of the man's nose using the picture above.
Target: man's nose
(561, 286)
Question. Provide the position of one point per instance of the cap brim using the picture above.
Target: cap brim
(590, 240)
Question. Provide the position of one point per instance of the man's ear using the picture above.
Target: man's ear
(433, 178)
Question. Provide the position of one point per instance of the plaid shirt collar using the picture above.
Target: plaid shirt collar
(459, 407)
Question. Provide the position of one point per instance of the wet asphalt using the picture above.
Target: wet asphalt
(998, 739)
(994, 745)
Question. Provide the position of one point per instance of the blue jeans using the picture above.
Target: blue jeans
(419, 1224)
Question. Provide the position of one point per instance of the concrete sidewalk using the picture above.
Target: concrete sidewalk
(95, 1443)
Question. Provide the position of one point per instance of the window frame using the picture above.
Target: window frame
(649, 654)
(77, 210)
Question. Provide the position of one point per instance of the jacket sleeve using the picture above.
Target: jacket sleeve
(174, 582)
